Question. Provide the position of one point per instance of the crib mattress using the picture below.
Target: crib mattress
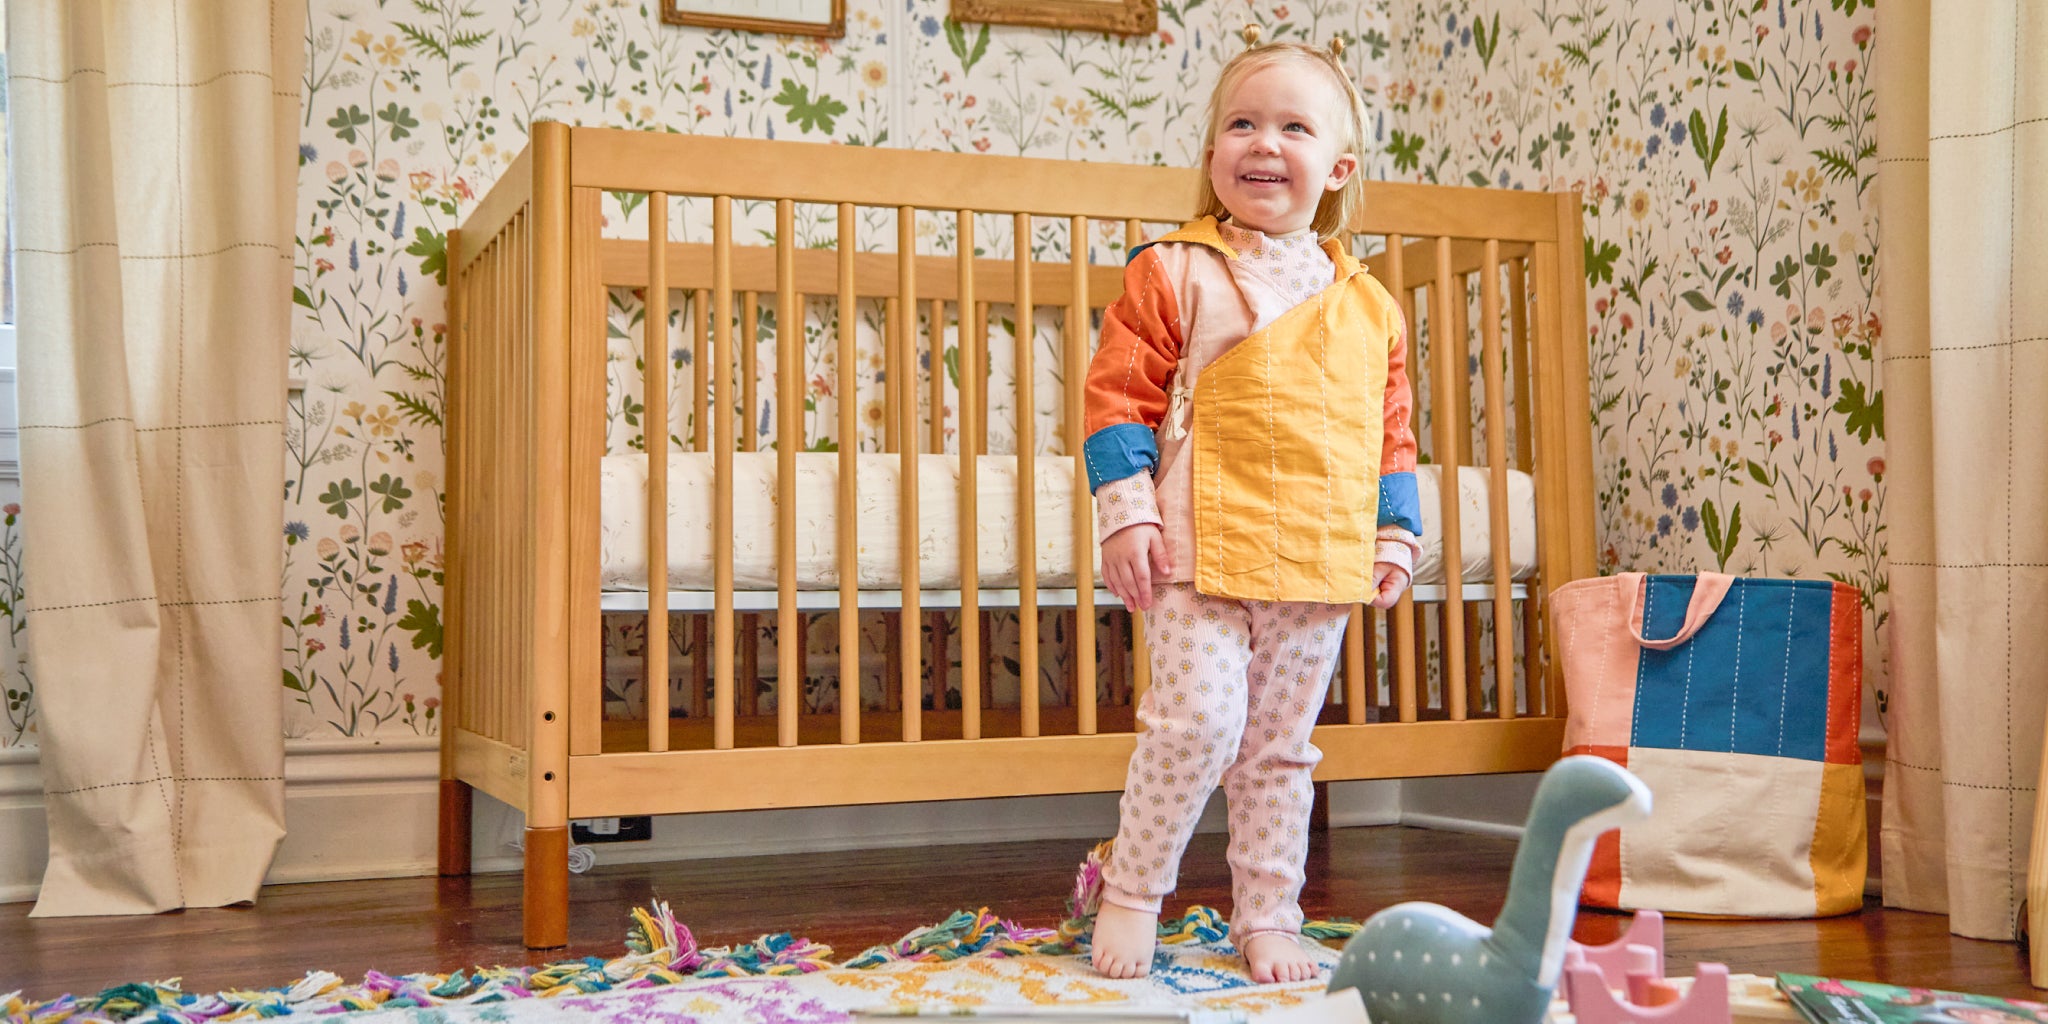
(878, 564)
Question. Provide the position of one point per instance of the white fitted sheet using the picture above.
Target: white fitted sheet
(624, 530)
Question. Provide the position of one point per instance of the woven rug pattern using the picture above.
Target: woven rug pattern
(973, 959)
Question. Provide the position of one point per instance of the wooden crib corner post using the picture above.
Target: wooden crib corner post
(1578, 425)
(546, 897)
(453, 824)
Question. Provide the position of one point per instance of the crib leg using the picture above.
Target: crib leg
(1319, 812)
(545, 899)
(453, 843)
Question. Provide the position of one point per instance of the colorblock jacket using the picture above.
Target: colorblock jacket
(1299, 456)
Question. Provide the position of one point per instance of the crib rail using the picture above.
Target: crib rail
(532, 276)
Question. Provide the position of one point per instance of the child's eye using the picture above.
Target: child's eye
(1239, 123)
(1297, 126)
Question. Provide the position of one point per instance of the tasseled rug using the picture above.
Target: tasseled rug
(973, 959)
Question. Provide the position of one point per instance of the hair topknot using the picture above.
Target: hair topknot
(1251, 33)
(1337, 46)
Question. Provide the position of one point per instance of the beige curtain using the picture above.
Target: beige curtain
(1963, 144)
(155, 146)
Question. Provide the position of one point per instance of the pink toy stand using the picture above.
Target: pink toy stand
(1592, 1002)
(1614, 960)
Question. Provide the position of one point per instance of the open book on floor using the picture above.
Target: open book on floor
(1835, 1001)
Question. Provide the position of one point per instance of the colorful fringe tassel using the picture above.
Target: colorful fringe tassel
(962, 935)
(664, 952)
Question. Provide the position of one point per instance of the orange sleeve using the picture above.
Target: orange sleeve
(1141, 345)
(1397, 448)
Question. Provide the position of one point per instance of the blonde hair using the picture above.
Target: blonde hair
(1336, 210)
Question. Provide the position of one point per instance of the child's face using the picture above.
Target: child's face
(1277, 149)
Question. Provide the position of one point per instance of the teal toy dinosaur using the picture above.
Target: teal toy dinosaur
(1421, 963)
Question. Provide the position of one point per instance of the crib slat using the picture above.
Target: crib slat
(790, 391)
(587, 303)
(1401, 629)
(1461, 329)
(1461, 401)
(749, 370)
(515, 691)
(1448, 355)
(1493, 364)
(749, 679)
(1084, 508)
(1141, 655)
(892, 624)
(936, 418)
(1027, 486)
(499, 303)
(892, 387)
(1518, 338)
(1553, 546)
(849, 448)
(721, 462)
(986, 623)
(980, 379)
(936, 678)
(700, 436)
(970, 522)
(700, 369)
(654, 428)
(905, 373)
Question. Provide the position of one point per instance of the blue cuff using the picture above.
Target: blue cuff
(1126, 449)
(1400, 505)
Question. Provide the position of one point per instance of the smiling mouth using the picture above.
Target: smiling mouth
(1263, 179)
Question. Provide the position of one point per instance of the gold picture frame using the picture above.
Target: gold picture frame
(826, 18)
(1119, 17)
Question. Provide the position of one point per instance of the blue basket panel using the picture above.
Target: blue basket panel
(1753, 680)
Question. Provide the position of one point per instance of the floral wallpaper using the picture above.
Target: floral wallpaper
(1725, 151)
(1725, 154)
(414, 108)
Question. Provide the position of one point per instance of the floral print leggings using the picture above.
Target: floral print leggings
(1236, 686)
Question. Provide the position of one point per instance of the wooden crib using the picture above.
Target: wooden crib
(530, 274)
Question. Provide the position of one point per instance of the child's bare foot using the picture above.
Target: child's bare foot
(1277, 956)
(1122, 947)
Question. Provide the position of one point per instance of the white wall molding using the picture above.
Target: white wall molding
(334, 791)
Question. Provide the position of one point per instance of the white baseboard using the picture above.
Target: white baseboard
(353, 809)
(366, 809)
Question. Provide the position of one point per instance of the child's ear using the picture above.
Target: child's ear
(1341, 172)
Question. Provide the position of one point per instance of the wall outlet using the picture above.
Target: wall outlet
(636, 829)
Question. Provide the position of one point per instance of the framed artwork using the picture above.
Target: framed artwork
(1120, 17)
(782, 17)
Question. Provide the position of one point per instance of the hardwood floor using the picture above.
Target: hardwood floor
(854, 899)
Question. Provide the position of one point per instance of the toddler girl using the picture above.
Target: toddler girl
(1253, 468)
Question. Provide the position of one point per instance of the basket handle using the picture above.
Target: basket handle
(1707, 591)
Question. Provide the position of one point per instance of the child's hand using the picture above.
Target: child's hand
(1132, 558)
(1388, 580)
